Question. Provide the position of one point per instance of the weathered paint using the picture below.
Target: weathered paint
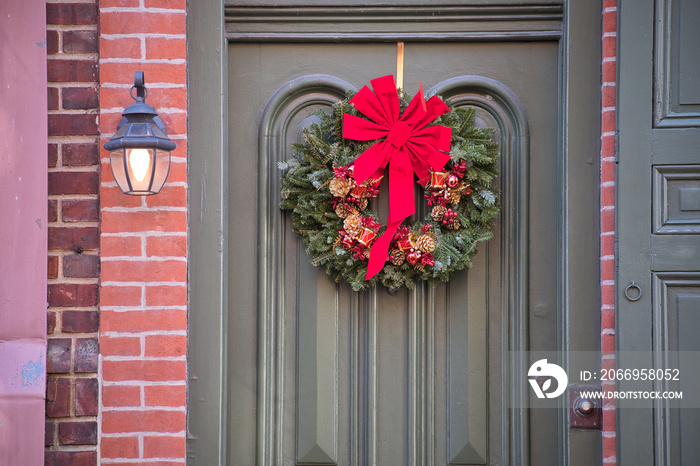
(23, 217)
(22, 367)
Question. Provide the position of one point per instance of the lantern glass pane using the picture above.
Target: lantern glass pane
(139, 130)
(162, 169)
(116, 161)
(140, 168)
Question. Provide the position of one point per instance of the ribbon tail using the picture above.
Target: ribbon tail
(401, 205)
(401, 194)
(380, 250)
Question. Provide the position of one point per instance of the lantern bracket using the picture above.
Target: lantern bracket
(140, 86)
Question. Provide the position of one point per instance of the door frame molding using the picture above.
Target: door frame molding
(579, 147)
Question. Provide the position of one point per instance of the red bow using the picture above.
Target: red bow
(409, 147)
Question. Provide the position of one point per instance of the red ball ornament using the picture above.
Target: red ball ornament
(413, 257)
(347, 241)
(452, 181)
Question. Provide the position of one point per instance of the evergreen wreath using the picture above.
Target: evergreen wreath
(332, 215)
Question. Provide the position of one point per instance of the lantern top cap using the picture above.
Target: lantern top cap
(141, 127)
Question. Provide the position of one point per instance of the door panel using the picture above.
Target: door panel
(330, 376)
(658, 215)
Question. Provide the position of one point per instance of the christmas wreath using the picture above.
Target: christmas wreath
(335, 173)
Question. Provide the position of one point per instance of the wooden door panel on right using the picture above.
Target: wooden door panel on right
(659, 218)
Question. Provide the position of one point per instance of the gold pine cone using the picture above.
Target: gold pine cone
(353, 225)
(339, 187)
(454, 225)
(362, 204)
(397, 257)
(438, 213)
(454, 195)
(342, 210)
(426, 243)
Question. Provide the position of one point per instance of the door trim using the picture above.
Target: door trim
(415, 21)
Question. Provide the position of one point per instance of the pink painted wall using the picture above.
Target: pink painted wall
(23, 217)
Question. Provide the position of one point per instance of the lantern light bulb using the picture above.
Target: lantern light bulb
(139, 160)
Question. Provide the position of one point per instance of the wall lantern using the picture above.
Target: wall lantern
(140, 149)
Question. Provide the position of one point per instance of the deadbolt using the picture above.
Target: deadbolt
(584, 412)
(584, 407)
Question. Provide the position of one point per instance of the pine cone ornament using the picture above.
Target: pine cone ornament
(362, 203)
(339, 187)
(397, 257)
(438, 213)
(453, 195)
(353, 225)
(454, 225)
(342, 210)
(426, 243)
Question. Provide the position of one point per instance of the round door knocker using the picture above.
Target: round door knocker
(638, 293)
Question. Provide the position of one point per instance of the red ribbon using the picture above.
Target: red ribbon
(408, 147)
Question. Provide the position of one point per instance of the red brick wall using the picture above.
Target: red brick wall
(74, 262)
(607, 220)
(143, 295)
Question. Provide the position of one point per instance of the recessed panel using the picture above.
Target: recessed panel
(676, 329)
(677, 60)
(467, 365)
(676, 199)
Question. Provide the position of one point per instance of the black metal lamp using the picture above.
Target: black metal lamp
(140, 149)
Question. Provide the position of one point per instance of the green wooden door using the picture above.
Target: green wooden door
(313, 373)
(658, 216)
(374, 378)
